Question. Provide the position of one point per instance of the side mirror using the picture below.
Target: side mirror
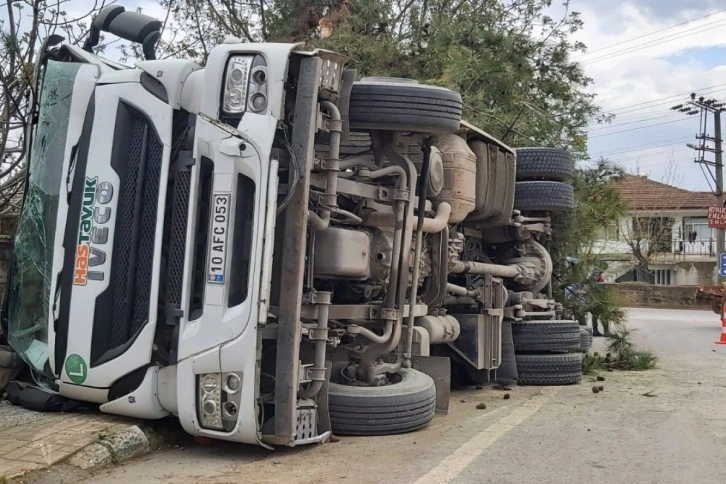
(132, 26)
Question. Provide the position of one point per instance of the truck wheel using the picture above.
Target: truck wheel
(561, 369)
(544, 163)
(543, 196)
(403, 105)
(540, 336)
(585, 339)
(403, 406)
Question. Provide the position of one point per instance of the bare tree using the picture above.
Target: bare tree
(23, 26)
(649, 233)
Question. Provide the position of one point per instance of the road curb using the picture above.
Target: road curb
(112, 448)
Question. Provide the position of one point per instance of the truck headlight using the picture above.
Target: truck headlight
(219, 400)
(245, 87)
(235, 85)
(210, 400)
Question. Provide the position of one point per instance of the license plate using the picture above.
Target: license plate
(218, 238)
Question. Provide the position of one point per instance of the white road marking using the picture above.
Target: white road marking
(452, 465)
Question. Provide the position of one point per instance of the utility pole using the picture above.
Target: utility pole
(719, 174)
(706, 107)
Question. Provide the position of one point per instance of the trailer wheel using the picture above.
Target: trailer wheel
(541, 336)
(544, 163)
(543, 196)
(407, 404)
(392, 104)
(551, 369)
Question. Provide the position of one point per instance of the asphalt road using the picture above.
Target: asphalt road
(666, 425)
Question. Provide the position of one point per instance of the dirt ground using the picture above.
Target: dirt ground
(666, 425)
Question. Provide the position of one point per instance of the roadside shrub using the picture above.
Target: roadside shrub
(622, 354)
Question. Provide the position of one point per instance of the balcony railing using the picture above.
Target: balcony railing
(702, 247)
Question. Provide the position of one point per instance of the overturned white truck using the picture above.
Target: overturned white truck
(271, 250)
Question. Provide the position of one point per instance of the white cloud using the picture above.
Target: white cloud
(632, 79)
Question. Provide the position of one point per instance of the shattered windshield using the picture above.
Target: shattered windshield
(33, 247)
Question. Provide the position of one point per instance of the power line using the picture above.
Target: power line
(644, 116)
(665, 97)
(661, 101)
(649, 34)
(659, 163)
(637, 148)
(617, 124)
(637, 128)
(654, 43)
(648, 155)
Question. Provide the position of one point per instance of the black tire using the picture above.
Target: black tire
(393, 409)
(544, 163)
(403, 105)
(543, 196)
(585, 339)
(562, 369)
(541, 336)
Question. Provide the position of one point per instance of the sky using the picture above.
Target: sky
(644, 56)
(642, 63)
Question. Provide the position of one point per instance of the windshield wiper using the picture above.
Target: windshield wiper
(71, 171)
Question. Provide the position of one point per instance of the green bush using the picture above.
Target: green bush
(622, 354)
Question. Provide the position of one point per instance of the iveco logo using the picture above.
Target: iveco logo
(92, 235)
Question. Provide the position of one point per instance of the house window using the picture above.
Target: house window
(696, 229)
(664, 277)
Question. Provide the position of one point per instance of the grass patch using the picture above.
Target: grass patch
(639, 360)
(622, 354)
(592, 363)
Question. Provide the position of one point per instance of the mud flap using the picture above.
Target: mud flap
(324, 424)
(506, 374)
(438, 368)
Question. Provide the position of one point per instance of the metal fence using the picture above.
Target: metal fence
(704, 247)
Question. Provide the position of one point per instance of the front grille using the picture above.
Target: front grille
(133, 254)
(177, 245)
(123, 308)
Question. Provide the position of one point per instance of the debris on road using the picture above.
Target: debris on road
(481, 406)
(595, 390)
(506, 396)
(649, 394)
(502, 387)
(601, 388)
(600, 378)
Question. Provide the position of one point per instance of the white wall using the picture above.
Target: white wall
(703, 269)
(620, 246)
